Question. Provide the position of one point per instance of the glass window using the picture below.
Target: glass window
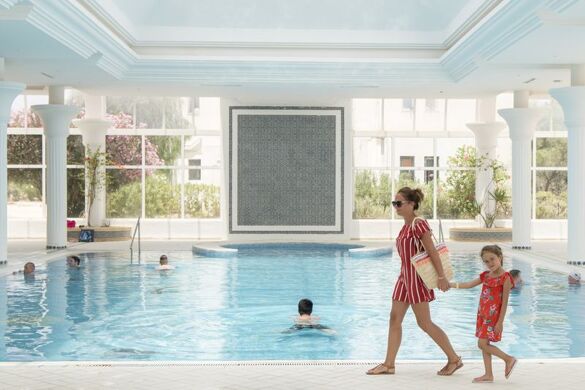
(206, 148)
(17, 113)
(448, 148)
(367, 114)
(416, 180)
(407, 161)
(33, 120)
(430, 115)
(179, 112)
(124, 194)
(551, 152)
(75, 150)
(557, 117)
(120, 110)
(371, 152)
(163, 194)
(416, 148)
(149, 113)
(372, 194)
(75, 192)
(456, 194)
(25, 149)
(194, 169)
(398, 114)
(202, 198)
(25, 185)
(551, 194)
(163, 150)
(460, 112)
(126, 150)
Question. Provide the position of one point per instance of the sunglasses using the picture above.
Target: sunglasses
(398, 203)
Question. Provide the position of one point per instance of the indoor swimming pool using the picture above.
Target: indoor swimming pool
(240, 308)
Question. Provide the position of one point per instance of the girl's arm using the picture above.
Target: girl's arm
(506, 294)
(429, 246)
(470, 284)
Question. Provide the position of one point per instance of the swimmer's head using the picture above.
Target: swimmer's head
(29, 268)
(305, 307)
(164, 260)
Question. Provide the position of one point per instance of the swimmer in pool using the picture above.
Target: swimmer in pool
(306, 320)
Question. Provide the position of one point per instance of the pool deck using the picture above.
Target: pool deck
(530, 374)
(338, 375)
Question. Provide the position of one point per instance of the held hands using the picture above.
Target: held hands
(443, 284)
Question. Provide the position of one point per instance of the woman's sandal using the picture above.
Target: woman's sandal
(381, 369)
(456, 365)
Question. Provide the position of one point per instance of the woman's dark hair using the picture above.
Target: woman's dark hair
(305, 306)
(414, 195)
(496, 250)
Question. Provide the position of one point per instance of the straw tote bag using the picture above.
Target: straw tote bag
(424, 266)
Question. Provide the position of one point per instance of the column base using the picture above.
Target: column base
(575, 262)
(3, 262)
(56, 247)
(522, 247)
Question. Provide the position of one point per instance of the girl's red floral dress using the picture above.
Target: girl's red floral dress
(490, 305)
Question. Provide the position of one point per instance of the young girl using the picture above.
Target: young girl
(493, 302)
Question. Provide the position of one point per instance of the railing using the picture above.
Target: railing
(441, 237)
(136, 229)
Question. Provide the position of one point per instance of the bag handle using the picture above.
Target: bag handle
(412, 225)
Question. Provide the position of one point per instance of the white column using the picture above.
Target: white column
(8, 92)
(56, 119)
(486, 143)
(94, 137)
(522, 124)
(572, 99)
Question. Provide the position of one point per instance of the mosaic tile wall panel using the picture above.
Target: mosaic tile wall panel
(286, 170)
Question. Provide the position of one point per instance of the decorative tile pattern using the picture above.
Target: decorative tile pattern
(286, 169)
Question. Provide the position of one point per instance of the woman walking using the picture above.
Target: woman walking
(410, 290)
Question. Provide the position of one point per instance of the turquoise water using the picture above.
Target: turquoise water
(237, 309)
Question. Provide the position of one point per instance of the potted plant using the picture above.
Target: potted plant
(95, 161)
(494, 203)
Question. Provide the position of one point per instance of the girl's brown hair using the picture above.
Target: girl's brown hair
(414, 195)
(495, 249)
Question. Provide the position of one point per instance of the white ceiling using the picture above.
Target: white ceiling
(298, 48)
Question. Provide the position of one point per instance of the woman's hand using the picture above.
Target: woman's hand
(443, 284)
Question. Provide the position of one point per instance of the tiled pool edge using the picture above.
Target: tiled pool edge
(219, 249)
(265, 363)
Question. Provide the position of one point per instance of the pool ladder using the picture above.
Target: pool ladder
(136, 229)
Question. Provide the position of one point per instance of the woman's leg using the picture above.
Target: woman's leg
(394, 336)
(423, 319)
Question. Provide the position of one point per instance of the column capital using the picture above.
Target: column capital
(56, 118)
(572, 100)
(522, 121)
(8, 92)
(486, 133)
(93, 130)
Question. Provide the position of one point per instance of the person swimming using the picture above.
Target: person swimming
(306, 320)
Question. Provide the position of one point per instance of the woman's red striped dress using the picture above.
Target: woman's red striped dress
(409, 286)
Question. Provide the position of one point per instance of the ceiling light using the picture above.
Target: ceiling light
(557, 81)
(529, 80)
(47, 75)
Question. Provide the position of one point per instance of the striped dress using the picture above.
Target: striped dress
(409, 286)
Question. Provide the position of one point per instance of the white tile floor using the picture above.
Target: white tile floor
(561, 374)
(533, 374)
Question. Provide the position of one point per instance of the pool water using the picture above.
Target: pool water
(239, 309)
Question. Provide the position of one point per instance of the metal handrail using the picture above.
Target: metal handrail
(441, 237)
(136, 229)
